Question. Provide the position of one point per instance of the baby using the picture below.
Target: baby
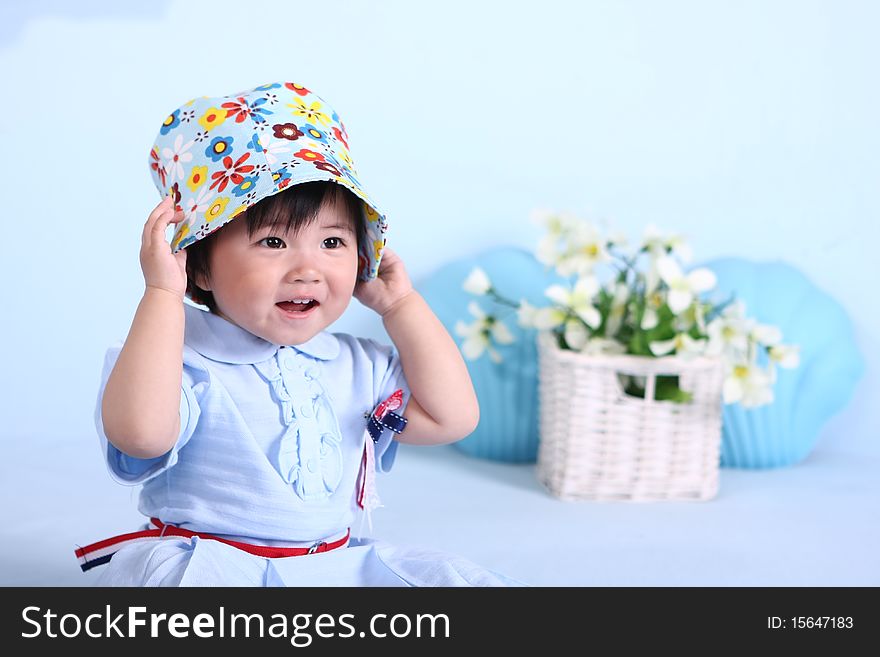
(255, 433)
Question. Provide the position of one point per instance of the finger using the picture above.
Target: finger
(389, 257)
(166, 205)
(165, 218)
(161, 223)
(158, 238)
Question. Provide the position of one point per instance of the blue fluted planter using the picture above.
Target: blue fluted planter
(805, 398)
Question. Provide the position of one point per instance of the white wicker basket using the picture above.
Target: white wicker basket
(599, 443)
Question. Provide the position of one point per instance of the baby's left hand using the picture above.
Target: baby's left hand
(390, 286)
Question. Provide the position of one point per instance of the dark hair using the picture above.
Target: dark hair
(292, 209)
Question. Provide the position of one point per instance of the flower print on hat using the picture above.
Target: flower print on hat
(218, 156)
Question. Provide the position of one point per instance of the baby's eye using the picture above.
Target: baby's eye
(333, 243)
(273, 242)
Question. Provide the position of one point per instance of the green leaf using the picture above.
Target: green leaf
(667, 390)
(638, 345)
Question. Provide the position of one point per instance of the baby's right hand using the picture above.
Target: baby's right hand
(163, 269)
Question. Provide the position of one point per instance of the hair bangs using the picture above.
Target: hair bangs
(292, 210)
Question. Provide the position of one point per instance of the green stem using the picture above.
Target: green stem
(501, 299)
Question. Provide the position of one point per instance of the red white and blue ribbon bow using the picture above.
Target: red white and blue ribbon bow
(382, 418)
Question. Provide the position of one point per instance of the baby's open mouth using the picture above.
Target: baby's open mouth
(297, 305)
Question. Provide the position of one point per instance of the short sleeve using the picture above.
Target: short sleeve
(131, 470)
(387, 378)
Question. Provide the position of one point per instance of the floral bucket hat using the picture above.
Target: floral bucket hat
(218, 156)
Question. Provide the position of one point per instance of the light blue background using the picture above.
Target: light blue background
(751, 127)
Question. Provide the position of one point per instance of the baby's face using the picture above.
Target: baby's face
(254, 280)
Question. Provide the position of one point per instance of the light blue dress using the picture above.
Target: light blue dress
(269, 453)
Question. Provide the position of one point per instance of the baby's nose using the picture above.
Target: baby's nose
(303, 273)
(306, 278)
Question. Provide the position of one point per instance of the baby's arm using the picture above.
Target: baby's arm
(141, 404)
(443, 406)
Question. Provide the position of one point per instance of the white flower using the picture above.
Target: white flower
(735, 309)
(586, 249)
(766, 334)
(682, 288)
(477, 282)
(557, 225)
(691, 316)
(579, 300)
(547, 251)
(651, 277)
(683, 345)
(787, 356)
(174, 158)
(658, 246)
(653, 301)
(273, 147)
(198, 205)
(649, 319)
(478, 335)
(618, 309)
(748, 385)
(539, 318)
(501, 333)
(728, 336)
(652, 241)
(526, 314)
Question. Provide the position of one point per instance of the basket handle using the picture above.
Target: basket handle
(650, 385)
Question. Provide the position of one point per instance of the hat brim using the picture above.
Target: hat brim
(223, 210)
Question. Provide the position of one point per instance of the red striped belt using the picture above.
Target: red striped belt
(101, 552)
